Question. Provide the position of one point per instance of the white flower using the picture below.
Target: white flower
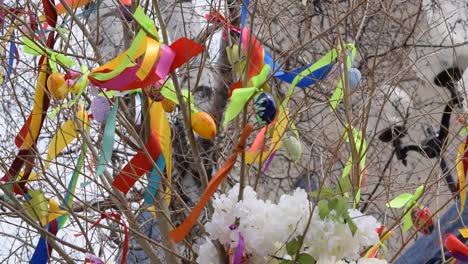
(207, 253)
(268, 227)
(371, 261)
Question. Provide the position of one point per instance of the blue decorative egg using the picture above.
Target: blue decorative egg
(354, 77)
(265, 108)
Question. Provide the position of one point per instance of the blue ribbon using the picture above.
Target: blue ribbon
(154, 179)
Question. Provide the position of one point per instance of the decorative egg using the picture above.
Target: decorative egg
(354, 77)
(204, 125)
(57, 85)
(265, 108)
(100, 108)
(168, 105)
(422, 220)
(293, 147)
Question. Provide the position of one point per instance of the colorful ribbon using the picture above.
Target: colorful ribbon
(462, 168)
(138, 165)
(32, 48)
(179, 233)
(242, 95)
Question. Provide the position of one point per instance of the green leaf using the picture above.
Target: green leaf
(400, 200)
(419, 191)
(344, 185)
(305, 259)
(407, 222)
(347, 168)
(287, 261)
(323, 193)
(357, 198)
(324, 211)
(352, 226)
(341, 207)
(294, 246)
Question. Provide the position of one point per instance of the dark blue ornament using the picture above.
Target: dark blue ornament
(265, 108)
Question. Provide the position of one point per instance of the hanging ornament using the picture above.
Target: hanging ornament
(293, 147)
(168, 105)
(57, 85)
(100, 108)
(422, 220)
(265, 108)
(204, 125)
(354, 77)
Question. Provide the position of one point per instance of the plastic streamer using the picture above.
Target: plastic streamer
(179, 233)
(43, 250)
(242, 95)
(154, 179)
(108, 140)
(30, 131)
(138, 165)
(160, 125)
(67, 133)
(462, 168)
(32, 48)
(337, 95)
(68, 199)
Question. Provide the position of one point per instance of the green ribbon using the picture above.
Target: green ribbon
(68, 199)
(168, 91)
(126, 63)
(145, 22)
(337, 95)
(361, 146)
(108, 140)
(241, 96)
(32, 48)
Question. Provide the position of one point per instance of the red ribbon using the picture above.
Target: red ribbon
(138, 165)
(122, 222)
(218, 19)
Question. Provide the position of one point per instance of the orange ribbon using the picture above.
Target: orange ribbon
(179, 233)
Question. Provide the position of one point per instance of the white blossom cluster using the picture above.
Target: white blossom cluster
(267, 227)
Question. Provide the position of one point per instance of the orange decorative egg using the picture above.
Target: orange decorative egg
(168, 105)
(57, 85)
(204, 125)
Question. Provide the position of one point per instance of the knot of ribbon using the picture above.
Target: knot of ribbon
(217, 19)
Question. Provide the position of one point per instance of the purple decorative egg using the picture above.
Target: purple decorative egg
(265, 108)
(100, 108)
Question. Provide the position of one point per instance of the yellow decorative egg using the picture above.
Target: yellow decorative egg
(168, 105)
(57, 85)
(204, 125)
